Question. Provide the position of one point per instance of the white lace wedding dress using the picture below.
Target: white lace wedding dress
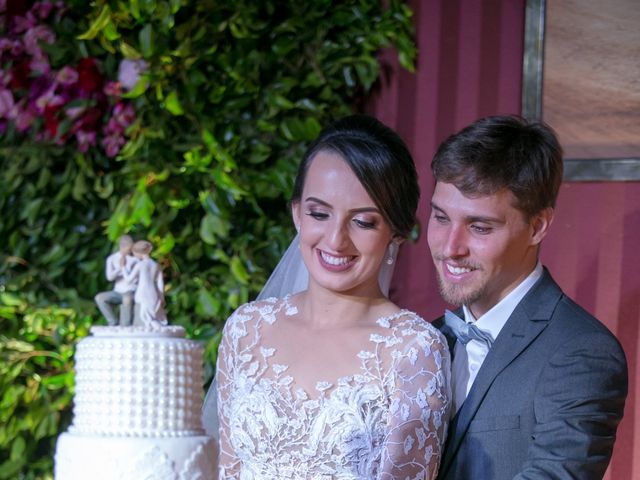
(385, 420)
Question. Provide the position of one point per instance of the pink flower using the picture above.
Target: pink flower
(85, 140)
(112, 144)
(37, 34)
(74, 112)
(113, 127)
(113, 89)
(17, 49)
(124, 114)
(67, 76)
(49, 99)
(5, 44)
(42, 9)
(40, 63)
(6, 104)
(129, 72)
(24, 119)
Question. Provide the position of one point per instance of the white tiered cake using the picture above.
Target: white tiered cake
(137, 408)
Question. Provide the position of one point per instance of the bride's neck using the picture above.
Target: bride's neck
(322, 309)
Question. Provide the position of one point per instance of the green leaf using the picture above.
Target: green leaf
(79, 187)
(139, 89)
(173, 104)
(111, 32)
(17, 448)
(11, 299)
(238, 270)
(146, 39)
(207, 305)
(99, 24)
(134, 9)
(142, 208)
(211, 227)
(10, 469)
(129, 52)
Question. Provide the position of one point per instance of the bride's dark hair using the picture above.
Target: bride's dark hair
(381, 161)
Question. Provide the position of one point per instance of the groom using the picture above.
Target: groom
(539, 384)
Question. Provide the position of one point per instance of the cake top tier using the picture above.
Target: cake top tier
(168, 331)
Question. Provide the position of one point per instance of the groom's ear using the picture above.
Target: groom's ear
(540, 224)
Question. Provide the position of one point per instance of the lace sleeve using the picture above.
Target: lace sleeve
(419, 409)
(228, 461)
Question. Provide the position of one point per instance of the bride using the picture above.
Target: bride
(336, 381)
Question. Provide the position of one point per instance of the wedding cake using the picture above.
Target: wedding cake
(137, 408)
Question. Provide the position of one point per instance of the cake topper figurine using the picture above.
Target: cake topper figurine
(149, 294)
(118, 266)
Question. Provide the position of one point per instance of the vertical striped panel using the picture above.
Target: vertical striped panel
(470, 66)
(593, 250)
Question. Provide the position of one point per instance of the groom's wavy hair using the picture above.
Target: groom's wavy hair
(380, 160)
(499, 152)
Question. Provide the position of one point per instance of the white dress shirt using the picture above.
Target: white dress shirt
(467, 359)
(115, 273)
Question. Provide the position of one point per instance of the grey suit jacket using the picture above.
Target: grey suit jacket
(547, 400)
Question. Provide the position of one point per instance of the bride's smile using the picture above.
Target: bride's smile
(343, 235)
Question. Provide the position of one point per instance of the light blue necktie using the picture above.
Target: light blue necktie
(466, 331)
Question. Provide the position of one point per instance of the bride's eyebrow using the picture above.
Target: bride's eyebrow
(353, 210)
(317, 200)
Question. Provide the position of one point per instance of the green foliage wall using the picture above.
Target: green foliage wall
(229, 94)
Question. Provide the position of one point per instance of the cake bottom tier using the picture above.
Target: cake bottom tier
(80, 457)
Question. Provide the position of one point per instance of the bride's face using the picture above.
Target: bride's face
(343, 235)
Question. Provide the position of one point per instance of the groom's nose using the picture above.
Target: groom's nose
(455, 241)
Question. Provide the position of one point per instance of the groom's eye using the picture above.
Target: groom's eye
(482, 230)
(440, 218)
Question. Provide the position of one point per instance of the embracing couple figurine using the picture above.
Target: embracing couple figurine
(138, 286)
(324, 377)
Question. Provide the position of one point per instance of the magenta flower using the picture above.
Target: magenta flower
(6, 104)
(49, 99)
(42, 9)
(24, 120)
(124, 114)
(85, 140)
(67, 76)
(31, 90)
(40, 64)
(112, 144)
(112, 89)
(37, 34)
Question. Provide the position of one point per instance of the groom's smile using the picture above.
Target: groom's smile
(482, 246)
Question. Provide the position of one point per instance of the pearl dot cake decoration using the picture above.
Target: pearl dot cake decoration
(139, 392)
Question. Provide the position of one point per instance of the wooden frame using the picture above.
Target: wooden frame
(576, 169)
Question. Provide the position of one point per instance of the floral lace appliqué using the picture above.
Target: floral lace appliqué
(387, 420)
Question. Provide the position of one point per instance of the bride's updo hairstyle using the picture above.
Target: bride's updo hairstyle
(381, 161)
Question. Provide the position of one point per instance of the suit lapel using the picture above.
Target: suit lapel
(526, 322)
(446, 331)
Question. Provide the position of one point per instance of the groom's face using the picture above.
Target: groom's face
(482, 246)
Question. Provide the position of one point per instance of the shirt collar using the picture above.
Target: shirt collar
(497, 316)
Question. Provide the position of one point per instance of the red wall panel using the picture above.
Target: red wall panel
(470, 66)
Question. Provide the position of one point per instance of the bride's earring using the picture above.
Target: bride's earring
(391, 253)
